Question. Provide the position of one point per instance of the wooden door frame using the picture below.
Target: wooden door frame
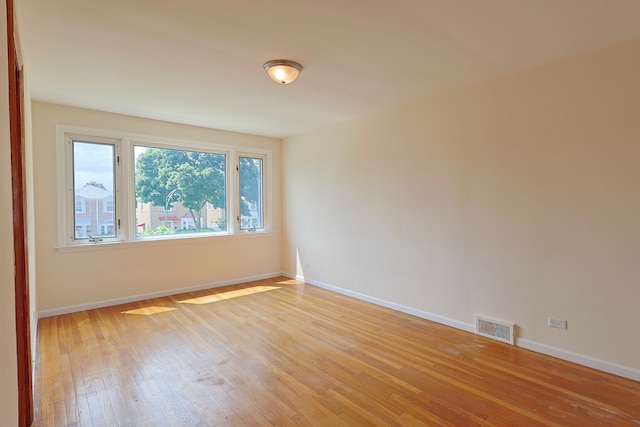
(18, 180)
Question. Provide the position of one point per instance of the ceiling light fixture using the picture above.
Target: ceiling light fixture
(282, 71)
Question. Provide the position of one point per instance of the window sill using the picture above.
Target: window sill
(148, 242)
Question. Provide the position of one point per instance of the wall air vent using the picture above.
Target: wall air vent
(495, 329)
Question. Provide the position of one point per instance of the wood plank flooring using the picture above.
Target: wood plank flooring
(278, 352)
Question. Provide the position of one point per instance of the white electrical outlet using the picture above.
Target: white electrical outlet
(306, 266)
(552, 322)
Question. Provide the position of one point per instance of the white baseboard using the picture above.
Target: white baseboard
(141, 297)
(580, 359)
(397, 307)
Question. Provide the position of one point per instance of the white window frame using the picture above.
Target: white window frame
(183, 146)
(124, 194)
(266, 194)
(66, 204)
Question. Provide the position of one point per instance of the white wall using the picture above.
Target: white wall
(8, 354)
(67, 279)
(518, 199)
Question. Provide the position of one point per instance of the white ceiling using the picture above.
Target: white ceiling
(199, 62)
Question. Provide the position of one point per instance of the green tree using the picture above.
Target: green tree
(193, 178)
(96, 184)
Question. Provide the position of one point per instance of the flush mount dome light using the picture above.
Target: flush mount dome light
(282, 71)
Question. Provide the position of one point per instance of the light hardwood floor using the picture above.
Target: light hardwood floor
(277, 352)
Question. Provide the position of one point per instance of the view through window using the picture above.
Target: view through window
(251, 206)
(179, 191)
(93, 184)
(116, 188)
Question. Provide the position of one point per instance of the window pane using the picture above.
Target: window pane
(93, 183)
(251, 206)
(179, 191)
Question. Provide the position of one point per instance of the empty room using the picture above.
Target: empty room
(417, 212)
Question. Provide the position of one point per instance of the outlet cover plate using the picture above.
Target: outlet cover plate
(556, 323)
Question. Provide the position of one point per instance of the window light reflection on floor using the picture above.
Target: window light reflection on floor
(290, 282)
(228, 295)
(148, 311)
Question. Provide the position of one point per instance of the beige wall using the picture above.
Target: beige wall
(517, 199)
(76, 278)
(8, 366)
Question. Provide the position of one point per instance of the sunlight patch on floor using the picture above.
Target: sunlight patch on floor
(290, 282)
(148, 311)
(228, 295)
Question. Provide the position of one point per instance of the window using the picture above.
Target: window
(106, 228)
(179, 184)
(81, 205)
(251, 206)
(107, 204)
(91, 180)
(121, 188)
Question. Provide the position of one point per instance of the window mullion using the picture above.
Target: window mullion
(119, 203)
(233, 193)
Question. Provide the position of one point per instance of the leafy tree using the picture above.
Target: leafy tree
(148, 232)
(96, 184)
(222, 223)
(193, 178)
(163, 229)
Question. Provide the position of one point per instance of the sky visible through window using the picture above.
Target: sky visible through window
(93, 163)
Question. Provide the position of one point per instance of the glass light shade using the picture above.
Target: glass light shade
(282, 71)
